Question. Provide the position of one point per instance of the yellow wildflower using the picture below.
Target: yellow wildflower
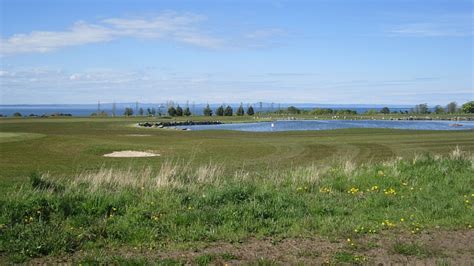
(390, 191)
(353, 190)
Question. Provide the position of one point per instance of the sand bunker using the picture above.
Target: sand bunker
(128, 154)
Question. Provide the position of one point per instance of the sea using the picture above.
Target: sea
(84, 110)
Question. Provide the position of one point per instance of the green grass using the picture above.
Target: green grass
(412, 249)
(348, 257)
(40, 220)
(211, 186)
(71, 145)
(11, 136)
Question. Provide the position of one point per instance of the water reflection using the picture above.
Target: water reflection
(284, 125)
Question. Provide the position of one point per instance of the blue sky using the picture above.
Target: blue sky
(327, 51)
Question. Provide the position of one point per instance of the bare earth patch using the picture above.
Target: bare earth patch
(131, 154)
(439, 247)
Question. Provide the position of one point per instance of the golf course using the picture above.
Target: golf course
(358, 195)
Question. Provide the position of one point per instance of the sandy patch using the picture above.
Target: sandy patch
(138, 135)
(129, 154)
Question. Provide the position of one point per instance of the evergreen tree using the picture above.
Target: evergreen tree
(171, 111)
(153, 111)
(228, 111)
(128, 111)
(220, 111)
(187, 112)
(293, 110)
(140, 111)
(250, 110)
(385, 110)
(240, 110)
(179, 111)
(207, 111)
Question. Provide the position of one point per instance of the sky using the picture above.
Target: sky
(319, 51)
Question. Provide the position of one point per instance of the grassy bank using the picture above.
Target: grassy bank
(181, 206)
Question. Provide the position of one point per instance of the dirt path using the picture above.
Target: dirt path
(387, 248)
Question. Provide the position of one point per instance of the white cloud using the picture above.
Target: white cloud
(183, 28)
(167, 26)
(432, 30)
(264, 33)
(45, 41)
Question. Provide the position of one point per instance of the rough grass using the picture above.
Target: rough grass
(175, 206)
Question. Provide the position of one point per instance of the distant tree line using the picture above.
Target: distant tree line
(227, 110)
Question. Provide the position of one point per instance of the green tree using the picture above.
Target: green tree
(128, 111)
(293, 110)
(385, 110)
(421, 109)
(438, 109)
(171, 111)
(371, 112)
(179, 111)
(220, 111)
(451, 108)
(468, 107)
(140, 111)
(228, 111)
(240, 110)
(250, 110)
(187, 112)
(207, 111)
(322, 111)
(17, 114)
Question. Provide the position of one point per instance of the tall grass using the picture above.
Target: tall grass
(182, 204)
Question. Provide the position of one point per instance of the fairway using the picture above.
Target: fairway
(63, 147)
(11, 136)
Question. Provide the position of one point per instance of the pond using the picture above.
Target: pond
(294, 125)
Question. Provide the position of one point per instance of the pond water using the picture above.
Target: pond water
(293, 125)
